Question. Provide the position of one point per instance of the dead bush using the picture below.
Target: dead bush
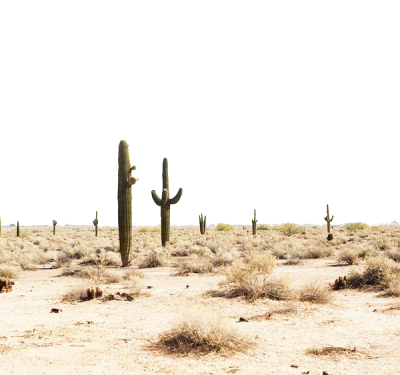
(348, 256)
(11, 272)
(188, 266)
(152, 260)
(315, 292)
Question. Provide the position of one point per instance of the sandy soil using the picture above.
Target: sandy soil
(114, 337)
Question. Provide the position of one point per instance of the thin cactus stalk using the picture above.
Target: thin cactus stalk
(165, 204)
(96, 223)
(125, 181)
(202, 224)
(327, 219)
(254, 223)
(17, 228)
(54, 227)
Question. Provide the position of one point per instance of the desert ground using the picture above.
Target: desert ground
(258, 304)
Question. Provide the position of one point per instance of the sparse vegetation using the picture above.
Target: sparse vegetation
(248, 263)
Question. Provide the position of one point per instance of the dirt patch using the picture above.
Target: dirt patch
(113, 335)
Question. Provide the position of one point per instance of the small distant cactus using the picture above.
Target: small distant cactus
(54, 227)
(340, 283)
(202, 224)
(94, 292)
(165, 204)
(328, 219)
(6, 285)
(17, 228)
(254, 223)
(96, 223)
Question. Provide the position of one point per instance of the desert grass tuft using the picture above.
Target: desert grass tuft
(152, 260)
(315, 292)
(201, 334)
(250, 278)
(187, 266)
(348, 256)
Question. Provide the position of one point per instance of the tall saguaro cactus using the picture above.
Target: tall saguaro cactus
(96, 223)
(202, 224)
(125, 181)
(54, 222)
(254, 223)
(327, 219)
(17, 228)
(165, 204)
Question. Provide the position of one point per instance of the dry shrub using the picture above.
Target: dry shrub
(379, 273)
(382, 243)
(315, 292)
(394, 255)
(202, 333)
(112, 277)
(188, 266)
(286, 309)
(11, 272)
(222, 259)
(251, 279)
(152, 260)
(393, 288)
(317, 252)
(348, 256)
(77, 293)
(260, 263)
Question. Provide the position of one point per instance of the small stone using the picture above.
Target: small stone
(326, 373)
(55, 311)
(294, 366)
(241, 319)
(149, 287)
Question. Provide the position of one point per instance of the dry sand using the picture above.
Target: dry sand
(114, 337)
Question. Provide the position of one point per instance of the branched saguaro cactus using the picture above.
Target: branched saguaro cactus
(54, 227)
(96, 223)
(165, 203)
(254, 223)
(17, 228)
(327, 219)
(125, 181)
(202, 224)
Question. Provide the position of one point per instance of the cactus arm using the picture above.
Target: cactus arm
(164, 197)
(156, 199)
(332, 217)
(132, 180)
(177, 197)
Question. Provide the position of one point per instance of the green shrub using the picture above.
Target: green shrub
(289, 229)
(224, 227)
(352, 227)
(147, 229)
(264, 227)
